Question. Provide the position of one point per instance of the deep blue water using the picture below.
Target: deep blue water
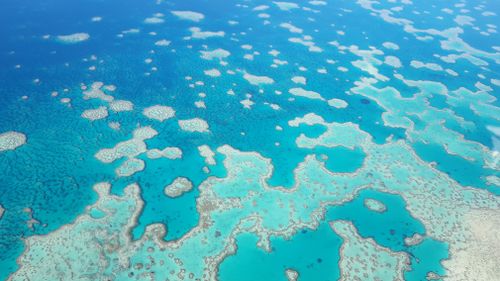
(54, 172)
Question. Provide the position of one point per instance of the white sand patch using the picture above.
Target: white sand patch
(274, 106)
(291, 275)
(260, 8)
(159, 112)
(374, 205)
(483, 87)
(493, 180)
(479, 260)
(131, 31)
(279, 62)
(114, 125)
(246, 47)
(73, 38)
(317, 3)
(286, 6)
(153, 20)
(292, 28)
(215, 54)
(257, 80)
(306, 41)
(464, 20)
(207, 154)
(274, 53)
(200, 104)
(393, 61)
(337, 103)
(11, 140)
(194, 125)
(390, 46)
(432, 66)
(189, 15)
(95, 114)
(300, 92)
(247, 103)
(95, 92)
(163, 43)
(96, 19)
(322, 70)
(212, 72)
(178, 187)
(197, 33)
(299, 80)
(121, 105)
(171, 152)
(110, 88)
(451, 72)
(488, 13)
(368, 67)
(248, 57)
(129, 148)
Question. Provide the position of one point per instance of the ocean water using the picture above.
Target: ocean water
(303, 112)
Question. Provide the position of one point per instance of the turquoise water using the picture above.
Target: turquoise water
(389, 229)
(427, 150)
(315, 253)
(312, 253)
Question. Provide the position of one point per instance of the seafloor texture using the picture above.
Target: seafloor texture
(249, 140)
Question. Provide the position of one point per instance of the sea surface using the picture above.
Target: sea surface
(249, 140)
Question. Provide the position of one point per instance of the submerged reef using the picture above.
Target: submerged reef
(11, 140)
(227, 208)
(251, 140)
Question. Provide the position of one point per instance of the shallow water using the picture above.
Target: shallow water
(290, 174)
